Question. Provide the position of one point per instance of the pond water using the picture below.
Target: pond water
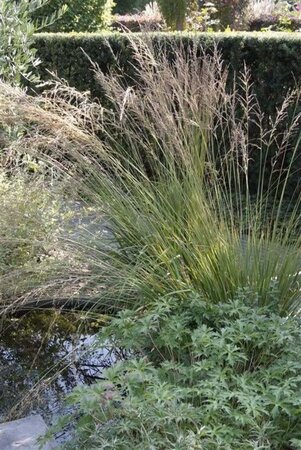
(45, 354)
(42, 357)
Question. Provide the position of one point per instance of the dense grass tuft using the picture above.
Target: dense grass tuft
(166, 163)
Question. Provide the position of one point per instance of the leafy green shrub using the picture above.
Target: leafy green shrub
(17, 57)
(88, 15)
(205, 377)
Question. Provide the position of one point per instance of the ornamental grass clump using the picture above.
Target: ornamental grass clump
(167, 162)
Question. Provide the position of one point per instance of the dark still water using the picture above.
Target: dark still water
(42, 357)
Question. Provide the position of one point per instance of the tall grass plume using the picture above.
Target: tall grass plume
(167, 160)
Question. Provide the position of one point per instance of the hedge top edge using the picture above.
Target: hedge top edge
(253, 35)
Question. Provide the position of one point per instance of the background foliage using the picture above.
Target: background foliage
(88, 15)
(129, 6)
(174, 13)
(271, 22)
(17, 55)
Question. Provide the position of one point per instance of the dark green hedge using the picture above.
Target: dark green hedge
(274, 60)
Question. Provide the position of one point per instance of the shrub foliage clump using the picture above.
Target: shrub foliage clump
(208, 377)
(88, 15)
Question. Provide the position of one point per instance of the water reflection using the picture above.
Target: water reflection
(42, 357)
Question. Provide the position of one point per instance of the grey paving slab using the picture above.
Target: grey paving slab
(22, 434)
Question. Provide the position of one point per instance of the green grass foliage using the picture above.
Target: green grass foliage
(167, 165)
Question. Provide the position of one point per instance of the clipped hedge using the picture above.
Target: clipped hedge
(273, 58)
